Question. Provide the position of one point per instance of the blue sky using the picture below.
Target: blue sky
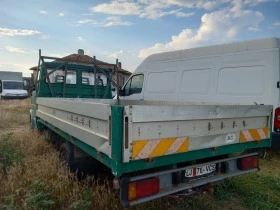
(125, 29)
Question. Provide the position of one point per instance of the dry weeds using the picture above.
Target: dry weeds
(14, 113)
(61, 188)
(42, 165)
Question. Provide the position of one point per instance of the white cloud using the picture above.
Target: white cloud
(199, 4)
(80, 38)
(276, 23)
(155, 9)
(116, 54)
(87, 21)
(16, 50)
(108, 22)
(61, 14)
(256, 2)
(129, 60)
(17, 32)
(254, 29)
(45, 37)
(116, 21)
(43, 12)
(182, 14)
(152, 9)
(118, 8)
(220, 26)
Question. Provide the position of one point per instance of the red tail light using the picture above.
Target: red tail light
(277, 119)
(248, 163)
(143, 188)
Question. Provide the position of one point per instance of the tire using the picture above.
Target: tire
(63, 158)
(66, 153)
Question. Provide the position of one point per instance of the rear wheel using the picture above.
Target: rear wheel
(64, 156)
(66, 152)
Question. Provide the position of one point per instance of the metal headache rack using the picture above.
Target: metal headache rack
(64, 66)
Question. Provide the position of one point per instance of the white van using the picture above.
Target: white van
(12, 89)
(237, 73)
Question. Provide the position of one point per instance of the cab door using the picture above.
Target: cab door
(133, 89)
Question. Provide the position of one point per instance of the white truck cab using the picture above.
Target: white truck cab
(12, 89)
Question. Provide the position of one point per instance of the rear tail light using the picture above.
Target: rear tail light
(277, 119)
(248, 163)
(143, 188)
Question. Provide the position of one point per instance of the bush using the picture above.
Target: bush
(84, 202)
(9, 203)
(36, 198)
(10, 155)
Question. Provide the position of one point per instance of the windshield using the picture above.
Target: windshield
(12, 85)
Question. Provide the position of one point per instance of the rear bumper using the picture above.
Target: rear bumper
(172, 181)
(14, 97)
(275, 140)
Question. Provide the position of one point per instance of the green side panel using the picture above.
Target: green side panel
(117, 137)
(77, 90)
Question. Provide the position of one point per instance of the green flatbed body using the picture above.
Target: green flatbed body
(119, 168)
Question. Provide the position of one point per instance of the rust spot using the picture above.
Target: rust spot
(149, 160)
(257, 142)
(214, 149)
(99, 154)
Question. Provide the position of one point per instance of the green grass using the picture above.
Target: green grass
(253, 190)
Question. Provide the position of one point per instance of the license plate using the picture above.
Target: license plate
(199, 171)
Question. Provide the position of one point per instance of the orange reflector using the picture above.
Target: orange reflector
(143, 188)
(131, 191)
(255, 162)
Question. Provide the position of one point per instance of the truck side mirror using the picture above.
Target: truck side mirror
(0, 86)
(121, 92)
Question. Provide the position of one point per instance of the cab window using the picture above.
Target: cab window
(134, 85)
(58, 76)
(88, 79)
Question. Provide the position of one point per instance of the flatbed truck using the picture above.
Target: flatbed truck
(152, 148)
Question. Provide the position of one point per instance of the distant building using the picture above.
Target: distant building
(81, 58)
